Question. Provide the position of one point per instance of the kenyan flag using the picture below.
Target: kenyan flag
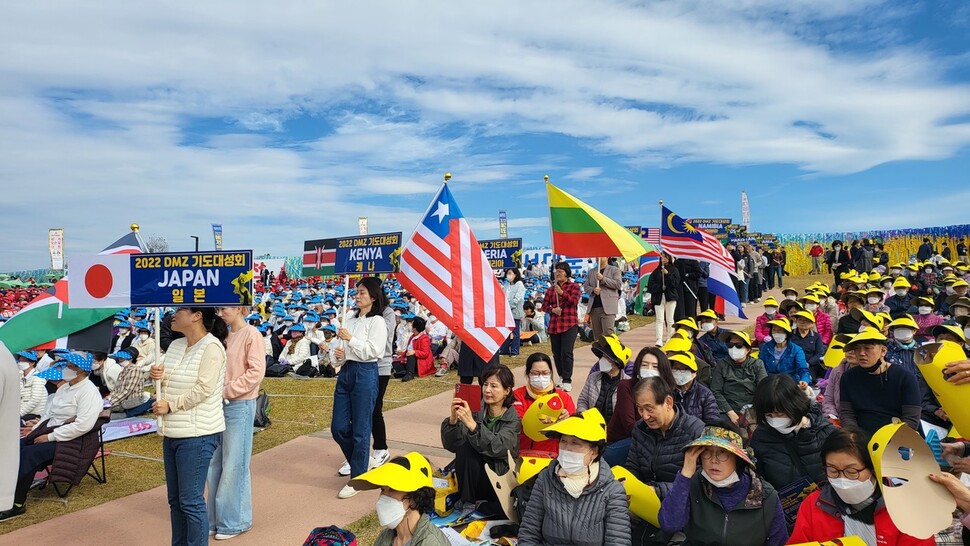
(319, 257)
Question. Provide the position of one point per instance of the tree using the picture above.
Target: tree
(156, 243)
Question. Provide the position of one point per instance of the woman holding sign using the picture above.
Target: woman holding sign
(484, 437)
(190, 415)
(850, 503)
(538, 370)
(364, 339)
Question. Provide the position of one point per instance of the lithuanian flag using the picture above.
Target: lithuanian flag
(580, 231)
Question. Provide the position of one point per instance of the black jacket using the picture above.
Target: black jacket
(812, 346)
(784, 458)
(656, 457)
(660, 285)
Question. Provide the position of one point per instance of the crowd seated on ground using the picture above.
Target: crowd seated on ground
(752, 425)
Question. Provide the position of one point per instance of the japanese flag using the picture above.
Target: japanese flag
(99, 281)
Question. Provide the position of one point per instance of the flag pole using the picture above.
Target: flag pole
(663, 285)
(552, 244)
(158, 349)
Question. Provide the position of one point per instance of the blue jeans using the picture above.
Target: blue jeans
(138, 410)
(615, 453)
(774, 272)
(353, 406)
(230, 484)
(186, 465)
(515, 341)
(744, 291)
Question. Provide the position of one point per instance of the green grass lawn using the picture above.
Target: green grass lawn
(299, 407)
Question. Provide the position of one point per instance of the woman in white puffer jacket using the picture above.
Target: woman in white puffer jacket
(190, 415)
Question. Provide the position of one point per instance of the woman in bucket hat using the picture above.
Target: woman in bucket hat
(695, 504)
(575, 499)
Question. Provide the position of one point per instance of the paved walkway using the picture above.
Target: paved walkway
(295, 484)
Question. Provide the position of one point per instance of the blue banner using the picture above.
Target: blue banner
(196, 279)
(217, 235)
(367, 254)
(503, 253)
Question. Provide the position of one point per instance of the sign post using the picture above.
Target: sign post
(192, 279)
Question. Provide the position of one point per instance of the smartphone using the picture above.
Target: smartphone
(471, 394)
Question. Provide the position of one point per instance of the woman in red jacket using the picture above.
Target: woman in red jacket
(850, 503)
(541, 381)
(420, 361)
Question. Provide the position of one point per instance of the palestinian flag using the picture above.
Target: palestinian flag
(580, 231)
(319, 257)
(48, 318)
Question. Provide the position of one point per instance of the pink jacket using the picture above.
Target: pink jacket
(761, 329)
(833, 397)
(245, 364)
(823, 325)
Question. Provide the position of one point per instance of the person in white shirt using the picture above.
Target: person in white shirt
(355, 395)
(73, 411)
(9, 450)
(33, 389)
(297, 349)
(437, 331)
(145, 345)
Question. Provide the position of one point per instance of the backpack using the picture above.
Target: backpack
(520, 496)
(330, 536)
(307, 369)
(263, 407)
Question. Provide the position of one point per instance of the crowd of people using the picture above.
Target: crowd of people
(720, 424)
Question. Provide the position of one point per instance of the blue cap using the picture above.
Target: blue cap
(29, 355)
(330, 312)
(311, 317)
(81, 360)
(289, 318)
(254, 316)
(54, 373)
(262, 327)
(297, 328)
(408, 316)
(121, 355)
(278, 313)
(139, 313)
(330, 327)
(58, 351)
(142, 325)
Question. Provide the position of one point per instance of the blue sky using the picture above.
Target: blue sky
(287, 121)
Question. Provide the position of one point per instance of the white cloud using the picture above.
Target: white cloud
(98, 100)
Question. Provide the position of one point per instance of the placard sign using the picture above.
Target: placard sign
(503, 253)
(379, 253)
(203, 279)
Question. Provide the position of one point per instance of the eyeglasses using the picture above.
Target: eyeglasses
(850, 473)
(718, 455)
(737, 345)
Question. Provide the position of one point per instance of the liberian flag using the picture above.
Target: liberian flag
(443, 265)
(49, 318)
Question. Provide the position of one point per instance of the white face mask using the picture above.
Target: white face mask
(901, 292)
(648, 372)
(779, 338)
(390, 512)
(22, 366)
(144, 337)
(572, 463)
(605, 364)
(737, 355)
(873, 300)
(770, 311)
(790, 298)
(683, 377)
(852, 491)
(726, 482)
(68, 374)
(928, 271)
(123, 332)
(540, 382)
(925, 310)
(904, 335)
(781, 424)
(707, 326)
(811, 307)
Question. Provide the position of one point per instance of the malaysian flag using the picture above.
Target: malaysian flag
(682, 240)
(651, 235)
(443, 265)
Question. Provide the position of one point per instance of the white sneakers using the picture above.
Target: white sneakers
(566, 387)
(220, 536)
(377, 458)
(347, 492)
